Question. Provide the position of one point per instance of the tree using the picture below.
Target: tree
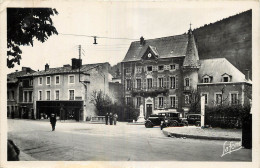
(23, 26)
(101, 101)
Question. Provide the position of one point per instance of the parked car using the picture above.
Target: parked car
(173, 119)
(154, 120)
(194, 119)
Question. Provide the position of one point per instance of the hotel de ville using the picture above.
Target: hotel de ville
(162, 73)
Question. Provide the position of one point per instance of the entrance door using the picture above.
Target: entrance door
(148, 110)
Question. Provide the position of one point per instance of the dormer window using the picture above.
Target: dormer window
(226, 77)
(206, 80)
(149, 68)
(187, 82)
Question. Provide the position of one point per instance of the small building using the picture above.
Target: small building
(19, 94)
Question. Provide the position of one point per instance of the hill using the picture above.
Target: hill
(230, 38)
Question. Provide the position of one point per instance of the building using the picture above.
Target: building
(19, 94)
(163, 73)
(67, 90)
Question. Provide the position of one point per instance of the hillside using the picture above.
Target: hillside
(230, 38)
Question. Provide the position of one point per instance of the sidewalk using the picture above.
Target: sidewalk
(206, 133)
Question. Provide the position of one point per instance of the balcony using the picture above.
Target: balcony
(151, 92)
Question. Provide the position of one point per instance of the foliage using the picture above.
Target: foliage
(23, 26)
(226, 116)
(132, 112)
(194, 101)
(102, 102)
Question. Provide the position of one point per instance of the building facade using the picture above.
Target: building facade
(162, 74)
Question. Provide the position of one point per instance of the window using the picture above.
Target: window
(48, 80)
(172, 67)
(206, 97)
(234, 98)
(128, 84)
(173, 82)
(160, 82)
(31, 82)
(57, 80)
(138, 83)
(160, 68)
(71, 79)
(8, 96)
(128, 99)
(57, 94)
(138, 69)
(48, 95)
(138, 102)
(218, 98)
(187, 82)
(149, 83)
(160, 101)
(40, 95)
(25, 96)
(127, 70)
(40, 81)
(187, 99)
(206, 80)
(71, 94)
(149, 68)
(174, 102)
(30, 96)
(225, 79)
(13, 95)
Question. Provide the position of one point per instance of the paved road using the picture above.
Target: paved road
(97, 142)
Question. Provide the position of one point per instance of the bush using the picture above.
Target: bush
(226, 116)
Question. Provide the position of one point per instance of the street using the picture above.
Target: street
(72, 141)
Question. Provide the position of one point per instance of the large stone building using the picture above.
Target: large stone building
(67, 91)
(163, 73)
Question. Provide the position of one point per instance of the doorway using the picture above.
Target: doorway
(148, 110)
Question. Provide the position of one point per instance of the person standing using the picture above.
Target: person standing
(106, 118)
(115, 118)
(111, 119)
(53, 121)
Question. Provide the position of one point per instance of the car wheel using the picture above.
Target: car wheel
(174, 124)
(148, 125)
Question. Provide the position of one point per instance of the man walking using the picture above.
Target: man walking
(106, 118)
(115, 118)
(111, 119)
(53, 121)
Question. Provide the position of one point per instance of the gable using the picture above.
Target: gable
(150, 53)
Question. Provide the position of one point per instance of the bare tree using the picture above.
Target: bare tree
(101, 102)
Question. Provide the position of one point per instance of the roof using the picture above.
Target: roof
(12, 77)
(165, 47)
(66, 70)
(216, 67)
(192, 56)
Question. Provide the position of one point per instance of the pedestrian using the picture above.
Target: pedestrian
(53, 121)
(115, 118)
(111, 119)
(106, 118)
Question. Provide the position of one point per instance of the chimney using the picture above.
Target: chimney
(16, 70)
(76, 63)
(26, 69)
(142, 42)
(47, 67)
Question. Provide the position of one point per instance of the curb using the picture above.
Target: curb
(135, 123)
(168, 134)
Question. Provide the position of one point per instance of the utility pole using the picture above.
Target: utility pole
(79, 60)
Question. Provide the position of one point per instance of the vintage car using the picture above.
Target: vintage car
(154, 120)
(173, 119)
(194, 119)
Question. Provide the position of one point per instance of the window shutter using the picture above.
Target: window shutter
(145, 68)
(164, 102)
(134, 84)
(176, 81)
(155, 82)
(165, 67)
(164, 82)
(155, 68)
(144, 83)
(168, 102)
(176, 101)
(156, 102)
(130, 69)
(176, 66)
(167, 82)
(131, 84)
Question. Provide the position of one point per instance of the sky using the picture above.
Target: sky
(115, 20)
